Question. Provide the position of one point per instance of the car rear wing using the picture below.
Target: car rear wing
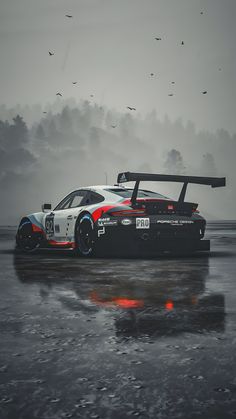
(214, 182)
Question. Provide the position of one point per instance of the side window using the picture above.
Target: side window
(95, 198)
(77, 199)
(65, 203)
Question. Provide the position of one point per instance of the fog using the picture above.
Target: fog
(66, 84)
(88, 144)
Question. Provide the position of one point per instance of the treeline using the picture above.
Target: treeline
(86, 143)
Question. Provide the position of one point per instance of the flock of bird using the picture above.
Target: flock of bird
(130, 108)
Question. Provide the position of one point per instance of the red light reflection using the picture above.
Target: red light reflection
(169, 305)
(122, 302)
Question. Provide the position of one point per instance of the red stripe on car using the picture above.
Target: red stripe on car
(37, 229)
(55, 243)
(100, 211)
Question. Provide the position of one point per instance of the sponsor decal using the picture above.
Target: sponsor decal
(110, 223)
(175, 222)
(123, 178)
(142, 223)
(101, 231)
(106, 222)
(126, 222)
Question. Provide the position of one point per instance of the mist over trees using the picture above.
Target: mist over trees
(72, 145)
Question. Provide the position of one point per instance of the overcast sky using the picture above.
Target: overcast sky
(109, 48)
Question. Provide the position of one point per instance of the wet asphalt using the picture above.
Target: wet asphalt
(110, 338)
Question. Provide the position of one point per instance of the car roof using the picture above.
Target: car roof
(99, 187)
(105, 190)
(108, 192)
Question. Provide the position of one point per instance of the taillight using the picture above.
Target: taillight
(130, 213)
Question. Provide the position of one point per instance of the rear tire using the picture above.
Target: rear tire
(85, 236)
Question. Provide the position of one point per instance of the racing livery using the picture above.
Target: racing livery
(119, 220)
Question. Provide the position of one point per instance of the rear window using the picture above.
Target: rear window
(127, 193)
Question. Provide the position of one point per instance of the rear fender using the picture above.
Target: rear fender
(102, 210)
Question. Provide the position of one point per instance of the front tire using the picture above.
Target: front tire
(85, 236)
(26, 240)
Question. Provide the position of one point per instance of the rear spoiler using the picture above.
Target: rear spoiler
(214, 182)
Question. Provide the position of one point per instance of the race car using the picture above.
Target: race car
(119, 220)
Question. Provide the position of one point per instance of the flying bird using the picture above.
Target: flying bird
(152, 74)
(171, 94)
(74, 82)
(44, 112)
(201, 13)
(50, 53)
(182, 43)
(205, 92)
(70, 16)
(131, 109)
(91, 95)
(113, 126)
(173, 82)
(59, 94)
(158, 39)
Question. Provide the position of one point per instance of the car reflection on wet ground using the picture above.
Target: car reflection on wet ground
(110, 338)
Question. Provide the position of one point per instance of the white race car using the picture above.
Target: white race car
(119, 220)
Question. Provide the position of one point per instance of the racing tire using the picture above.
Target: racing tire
(26, 240)
(85, 236)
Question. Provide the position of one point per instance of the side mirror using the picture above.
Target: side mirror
(46, 207)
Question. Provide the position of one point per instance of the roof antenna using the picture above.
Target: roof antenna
(106, 177)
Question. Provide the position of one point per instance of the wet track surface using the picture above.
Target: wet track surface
(110, 338)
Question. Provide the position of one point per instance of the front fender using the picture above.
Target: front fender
(37, 221)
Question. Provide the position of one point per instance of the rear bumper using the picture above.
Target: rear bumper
(127, 240)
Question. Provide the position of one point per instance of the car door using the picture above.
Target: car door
(58, 223)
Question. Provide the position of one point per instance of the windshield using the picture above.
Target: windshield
(127, 193)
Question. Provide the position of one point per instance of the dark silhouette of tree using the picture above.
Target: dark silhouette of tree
(4, 133)
(19, 134)
(13, 136)
(208, 166)
(65, 122)
(53, 133)
(15, 158)
(127, 126)
(174, 162)
(40, 132)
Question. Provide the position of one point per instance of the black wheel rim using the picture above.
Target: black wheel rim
(85, 236)
(28, 243)
(26, 239)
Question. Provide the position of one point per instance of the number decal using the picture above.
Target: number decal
(142, 223)
(49, 224)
